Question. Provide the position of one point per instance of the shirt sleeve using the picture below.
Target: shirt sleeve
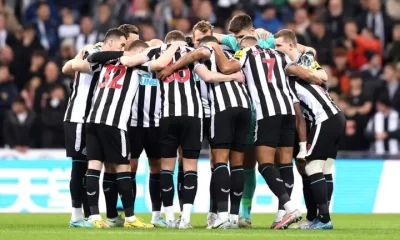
(230, 41)
(241, 56)
(266, 43)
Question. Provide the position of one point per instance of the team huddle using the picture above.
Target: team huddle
(256, 97)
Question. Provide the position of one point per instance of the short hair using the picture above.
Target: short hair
(287, 35)
(240, 22)
(19, 100)
(138, 44)
(203, 26)
(174, 35)
(128, 29)
(207, 39)
(248, 37)
(39, 53)
(114, 33)
(41, 4)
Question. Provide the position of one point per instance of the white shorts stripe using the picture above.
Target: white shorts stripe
(212, 126)
(201, 130)
(315, 139)
(78, 137)
(123, 143)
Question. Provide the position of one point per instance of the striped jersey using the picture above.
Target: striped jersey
(225, 95)
(82, 89)
(113, 98)
(146, 106)
(265, 76)
(316, 103)
(203, 88)
(180, 95)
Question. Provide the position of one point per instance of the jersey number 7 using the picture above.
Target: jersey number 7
(270, 62)
(119, 71)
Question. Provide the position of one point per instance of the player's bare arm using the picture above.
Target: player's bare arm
(225, 65)
(304, 74)
(196, 55)
(166, 57)
(215, 77)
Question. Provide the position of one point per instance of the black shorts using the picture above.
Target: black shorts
(323, 139)
(107, 144)
(206, 128)
(229, 129)
(183, 131)
(147, 139)
(276, 131)
(75, 140)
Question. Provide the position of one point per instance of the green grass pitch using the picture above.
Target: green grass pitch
(55, 227)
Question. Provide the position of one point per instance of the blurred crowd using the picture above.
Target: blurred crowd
(357, 43)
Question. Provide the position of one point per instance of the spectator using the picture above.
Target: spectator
(12, 24)
(88, 35)
(267, 19)
(46, 29)
(7, 55)
(302, 21)
(206, 12)
(334, 19)
(19, 127)
(183, 25)
(357, 111)
(300, 37)
(376, 20)
(28, 92)
(393, 48)
(176, 10)
(37, 61)
(140, 12)
(333, 82)
(383, 128)
(104, 22)
(322, 42)
(372, 70)
(8, 91)
(147, 32)
(30, 14)
(67, 52)
(119, 10)
(52, 118)
(68, 29)
(341, 69)
(51, 79)
(393, 9)
(195, 8)
(390, 86)
(6, 37)
(289, 12)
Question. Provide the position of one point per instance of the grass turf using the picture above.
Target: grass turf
(55, 227)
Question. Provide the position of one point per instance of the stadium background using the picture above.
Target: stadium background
(362, 63)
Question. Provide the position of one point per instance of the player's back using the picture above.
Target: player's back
(114, 95)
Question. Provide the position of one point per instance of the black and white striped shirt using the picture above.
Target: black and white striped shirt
(113, 99)
(225, 95)
(316, 103)
(265, 76)
(179, 94)
(203, 89)
(146, 108)
(82, 89)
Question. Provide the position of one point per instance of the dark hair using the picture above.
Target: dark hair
(19, 100)
(174, 35)
(128, 29)
(41, 4)
(240, 22)
(114, 33)
(39, 53)
(207, 39)
(138, 44)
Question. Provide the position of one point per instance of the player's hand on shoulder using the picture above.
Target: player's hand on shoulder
(166, 72)
(180, 43)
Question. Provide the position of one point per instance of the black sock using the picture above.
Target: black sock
(311, 205)
(85, 203)
(329, 185)
(189, 187)
(125, 190)
(154, 189)
(275, 183)
(110, 190)
(167, 188)
(78, 171)
(180, 185)
(237, 185)
(286, 171)
(318, 187)
(222, 186)
(133, 181)
(213, 200)
(92, 189)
